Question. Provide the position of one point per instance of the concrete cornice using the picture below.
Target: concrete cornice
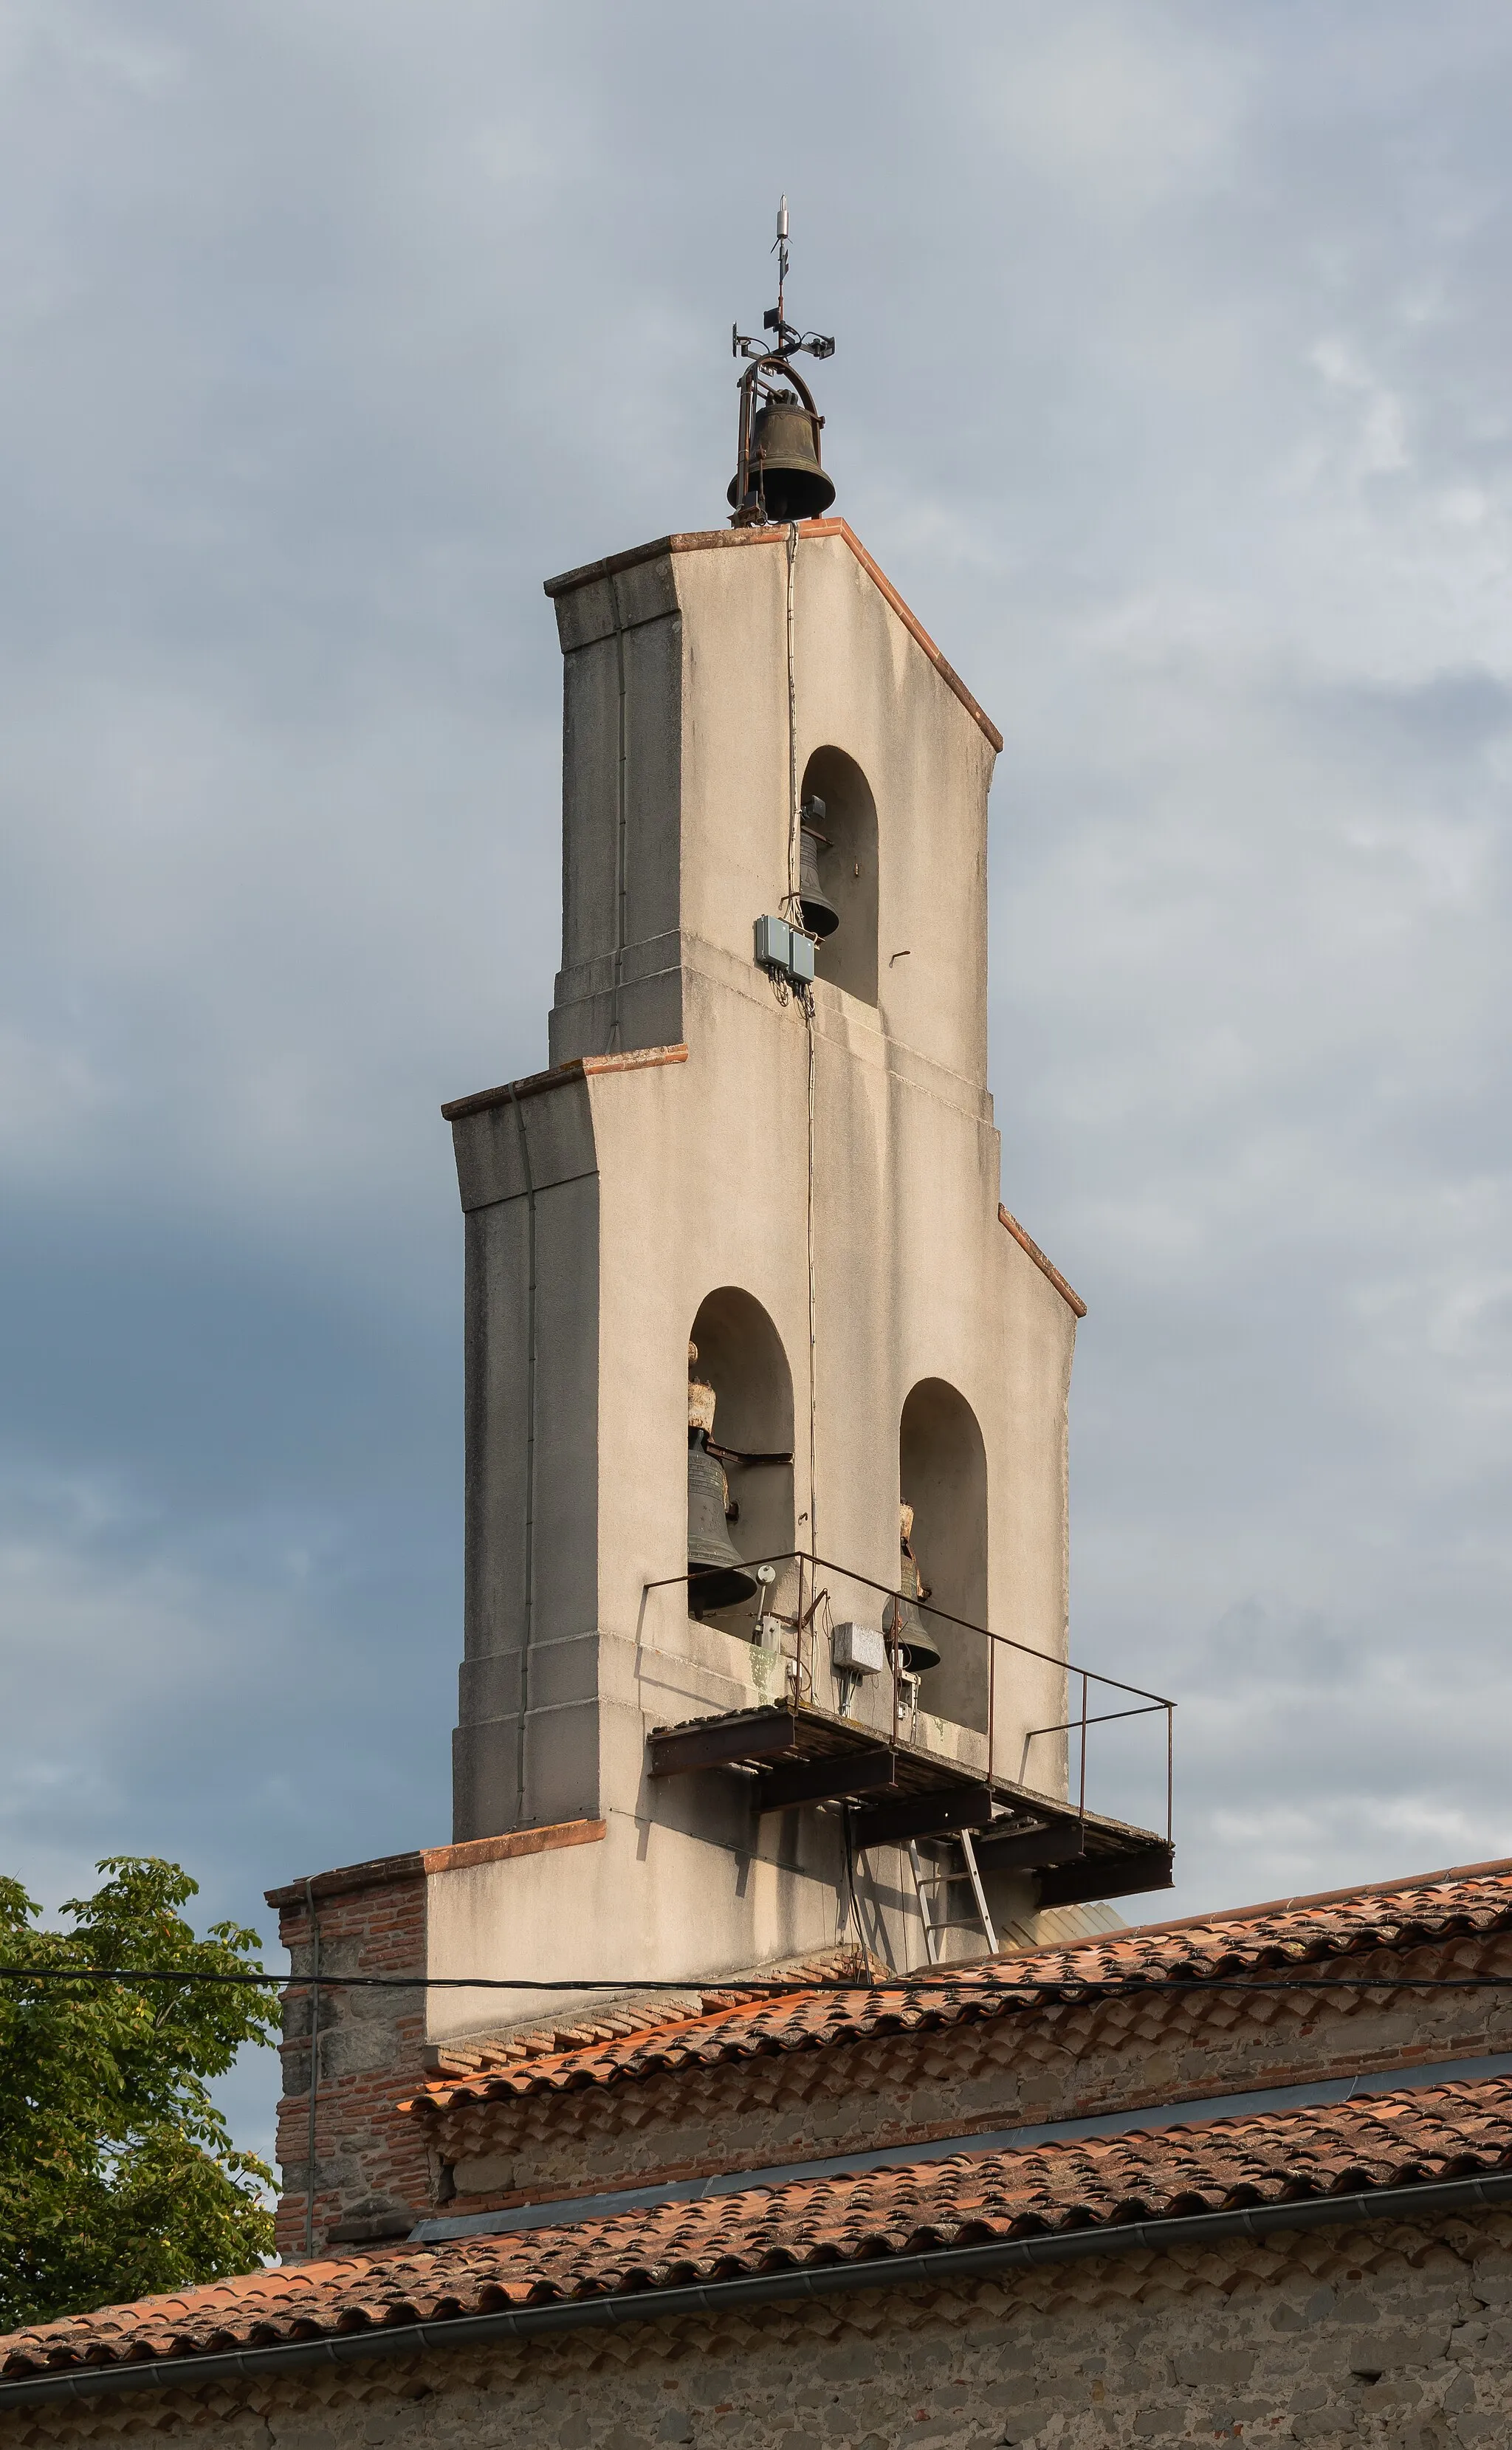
(580, 1068)
(725, 540)
(387, 1869)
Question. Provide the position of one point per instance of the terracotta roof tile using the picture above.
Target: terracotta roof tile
(1389, 2140)
(1290, 1932)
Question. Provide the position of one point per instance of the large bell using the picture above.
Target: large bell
(907, 1636)
(821, 917)
(785, 460)
(717, 1577)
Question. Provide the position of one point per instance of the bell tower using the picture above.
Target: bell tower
(766, 1394)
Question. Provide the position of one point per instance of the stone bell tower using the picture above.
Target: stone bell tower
(802, 1180)
(766, 1646)
(713, 1712)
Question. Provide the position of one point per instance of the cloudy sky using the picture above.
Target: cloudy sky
(1174, 391)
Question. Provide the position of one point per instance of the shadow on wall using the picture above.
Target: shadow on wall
(847, 870)
(942, 1475)
(741, 1357)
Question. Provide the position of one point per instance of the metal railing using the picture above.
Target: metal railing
(804, 1623)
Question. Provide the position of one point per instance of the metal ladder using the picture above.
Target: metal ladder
(933, 1883)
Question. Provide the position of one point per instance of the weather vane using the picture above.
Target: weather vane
(778, 474)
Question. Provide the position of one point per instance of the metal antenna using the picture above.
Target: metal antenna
(785, 340)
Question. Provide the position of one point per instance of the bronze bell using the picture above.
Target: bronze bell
(821, 917)
(716, 1574)
(907, 1636)
(717, 1577)
(785, 460)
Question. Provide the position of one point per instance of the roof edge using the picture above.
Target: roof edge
(1416, 2203)
(718, 540)
(1046, 1267)
(1315, 1898)
(384, 1871)
(561, 1076)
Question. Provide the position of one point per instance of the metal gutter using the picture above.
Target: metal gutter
(1411, 2203)
(564, 2211)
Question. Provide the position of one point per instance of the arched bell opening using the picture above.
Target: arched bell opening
(840, 857)
(739, 1455)
(943, 1478)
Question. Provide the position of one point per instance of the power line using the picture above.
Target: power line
(922, 1986)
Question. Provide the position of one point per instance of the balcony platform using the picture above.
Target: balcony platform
(800, 1754)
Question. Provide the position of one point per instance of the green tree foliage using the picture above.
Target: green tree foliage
(118, 2176)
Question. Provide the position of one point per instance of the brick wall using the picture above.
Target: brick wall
(1026, 2068)
(372, 2173)
(1385, 2337)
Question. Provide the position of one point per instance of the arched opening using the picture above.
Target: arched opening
(942, 1475)
(741, 1359)
(847, 869)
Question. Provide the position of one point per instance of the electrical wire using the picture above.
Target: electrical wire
(925, 1983)
(314, 1987)
(794, 813)
(528, 1626)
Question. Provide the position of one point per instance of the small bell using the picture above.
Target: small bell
(717, 1575)
(821, 917)
(785, 460)
(907, 1637)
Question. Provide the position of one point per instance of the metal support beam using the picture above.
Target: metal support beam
(1106, 1875)
(925, 1816)
(715, 1743)
(1006, 1848)
(826, 1780)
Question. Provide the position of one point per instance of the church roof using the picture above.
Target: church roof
(1286, 1933)
(1095, 2183)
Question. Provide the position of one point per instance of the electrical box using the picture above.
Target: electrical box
(858, 1649)
(785, 948)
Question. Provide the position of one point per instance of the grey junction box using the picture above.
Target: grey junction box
(859, 1648)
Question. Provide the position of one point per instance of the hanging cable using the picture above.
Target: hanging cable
(978, 1980)
(528, 1629)
(314, 1920)
(621, 819)
(814, 1340)
(794, 813)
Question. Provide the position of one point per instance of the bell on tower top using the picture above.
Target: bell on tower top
(777, 474)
